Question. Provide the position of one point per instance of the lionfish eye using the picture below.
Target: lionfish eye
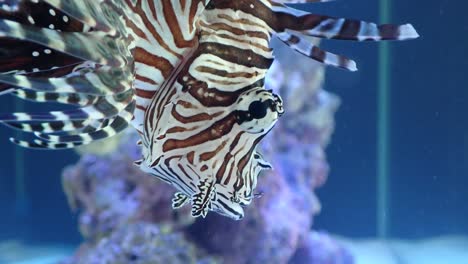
(258, 109)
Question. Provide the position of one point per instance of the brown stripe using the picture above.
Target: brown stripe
(143, 56)
(216, 131)
(141, 107)
(179, 129)
(173, 23)
(190, 156)
(389, 31)
(349, 29)
(193, 118)
(222, 169)
(199, 90)
(145, 79)
(186, 104)
(209, 155)
(236, 55)
(149, 25)
(241, 42)
(193, 14)
(294, 39)
(129, 23)
(144, 93)
(224, 73)
(237, 31)
(182, 4)
(240, 21)
(318, 54)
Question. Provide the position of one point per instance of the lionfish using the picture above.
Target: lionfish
(188, 75)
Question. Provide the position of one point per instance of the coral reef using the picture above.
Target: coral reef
(319, 247)
(140, 243)
(122, 211)
(110, 192)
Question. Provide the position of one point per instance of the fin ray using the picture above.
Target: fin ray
(40, 144)
(53, 97)
(105, 107)
(117, 125)
(306, 48)
(102, 81)
(92, 46)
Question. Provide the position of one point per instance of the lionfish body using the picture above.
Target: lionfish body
(188, 75)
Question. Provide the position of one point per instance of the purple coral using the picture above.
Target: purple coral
(320, 248)
(109, 192)
(140, 243)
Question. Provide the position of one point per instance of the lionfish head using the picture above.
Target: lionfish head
(209, 154)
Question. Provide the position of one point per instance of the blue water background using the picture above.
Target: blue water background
(429, 137)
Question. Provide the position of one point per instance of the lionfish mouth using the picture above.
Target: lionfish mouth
(175, 72)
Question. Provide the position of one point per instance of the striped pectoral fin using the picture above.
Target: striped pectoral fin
(322, 26)
(45, 141)
(60, 127)
(101, 82)
(18, 56)
(179, 200)
(113, 129)
(49, 127)
(116, 126)
(307, 48)
(53, 97)
(76, 114)
(39, 14)
(22, 56)
(202, 200)
(105, 108)
(92, 46)
(41, 144)
(90, 12)
(97, 124)
(349, 29)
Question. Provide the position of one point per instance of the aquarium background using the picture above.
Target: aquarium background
(427, 133)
